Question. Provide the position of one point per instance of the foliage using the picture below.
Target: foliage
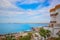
(58, 33)
(43, 32)
(10, 38)
(27, 37)
(55, 38)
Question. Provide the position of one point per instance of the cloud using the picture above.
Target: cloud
(7, 5)
(28, 1)
(52, 4)
(22, 17)
(10, 13)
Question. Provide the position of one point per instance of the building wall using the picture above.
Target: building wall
(53, 18)
(56, 27)
(55, 31)
(58, 16)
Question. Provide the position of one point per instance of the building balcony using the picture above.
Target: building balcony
(52, 21)
(57, 25)
(51, 25)
(54, 14)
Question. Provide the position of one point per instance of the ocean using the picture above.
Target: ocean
(6, 28)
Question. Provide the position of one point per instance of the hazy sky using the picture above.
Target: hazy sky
(26, 11)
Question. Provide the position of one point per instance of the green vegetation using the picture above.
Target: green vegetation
(10, 38)
(44, 33)
(27, 37)
(57, 38)
(58, 33)
(54, 38)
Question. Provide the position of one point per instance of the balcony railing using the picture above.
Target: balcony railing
(52, 21)
(54, 14)
(51, 25)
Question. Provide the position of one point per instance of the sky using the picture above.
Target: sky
(26, 11)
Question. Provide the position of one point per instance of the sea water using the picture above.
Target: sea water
(18, 27)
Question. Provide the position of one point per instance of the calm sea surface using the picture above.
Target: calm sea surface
(16, 27)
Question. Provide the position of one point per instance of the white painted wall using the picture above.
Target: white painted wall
(53, 19)
(56, 28)
(52, 12)
(58, 16)
(51, 29)
(55, 31)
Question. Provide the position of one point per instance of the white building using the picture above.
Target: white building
(55, 20)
